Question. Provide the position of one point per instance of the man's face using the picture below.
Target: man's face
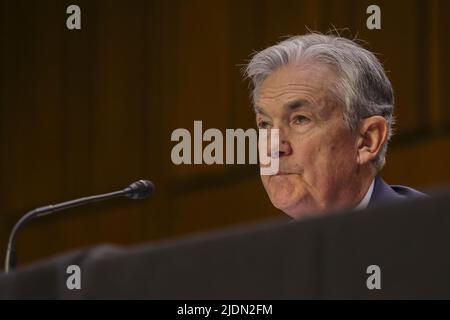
(318, 153)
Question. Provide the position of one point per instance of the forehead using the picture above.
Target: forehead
(308, 81)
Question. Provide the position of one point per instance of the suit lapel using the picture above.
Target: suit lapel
(382, 192)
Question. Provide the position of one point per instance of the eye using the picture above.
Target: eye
(301, 120)
(263, 124)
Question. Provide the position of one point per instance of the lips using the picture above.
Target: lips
(282, 173)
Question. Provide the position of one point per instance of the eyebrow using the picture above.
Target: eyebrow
(288, 107)
(295, 105)
(259, 110)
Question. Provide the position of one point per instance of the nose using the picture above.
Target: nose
(284, 147)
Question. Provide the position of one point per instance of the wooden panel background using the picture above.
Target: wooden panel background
(86, 112)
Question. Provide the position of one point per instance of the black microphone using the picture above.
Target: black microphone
(137, 190)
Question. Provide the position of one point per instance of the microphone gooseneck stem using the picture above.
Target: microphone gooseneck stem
(11, 256)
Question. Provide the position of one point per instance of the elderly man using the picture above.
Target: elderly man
(333, 105)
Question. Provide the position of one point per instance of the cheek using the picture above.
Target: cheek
(306, 153)
(336, 157)
(323, 155)
(343, 150)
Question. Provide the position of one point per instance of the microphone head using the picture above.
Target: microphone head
(140, 189)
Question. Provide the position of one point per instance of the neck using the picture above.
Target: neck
(357, 187)
(367, 175)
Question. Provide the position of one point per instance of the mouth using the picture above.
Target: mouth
(283, 173)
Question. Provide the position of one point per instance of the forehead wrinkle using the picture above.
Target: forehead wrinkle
(290, 97)
(290, 85)
(307, 79)
(317, 92)
(290, 88)
(302, 91)
(323, 106)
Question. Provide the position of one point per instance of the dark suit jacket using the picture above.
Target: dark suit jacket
(382, 192)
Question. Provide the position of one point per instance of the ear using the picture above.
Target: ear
(373, 133)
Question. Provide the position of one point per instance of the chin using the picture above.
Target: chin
(291, 207)
(297, 208)
(290, 196)
(299, 213)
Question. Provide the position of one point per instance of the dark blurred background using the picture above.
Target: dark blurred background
(89, 111)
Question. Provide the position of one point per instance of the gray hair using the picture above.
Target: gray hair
(363, 87)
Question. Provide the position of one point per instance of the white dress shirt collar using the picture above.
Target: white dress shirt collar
(365, 201)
